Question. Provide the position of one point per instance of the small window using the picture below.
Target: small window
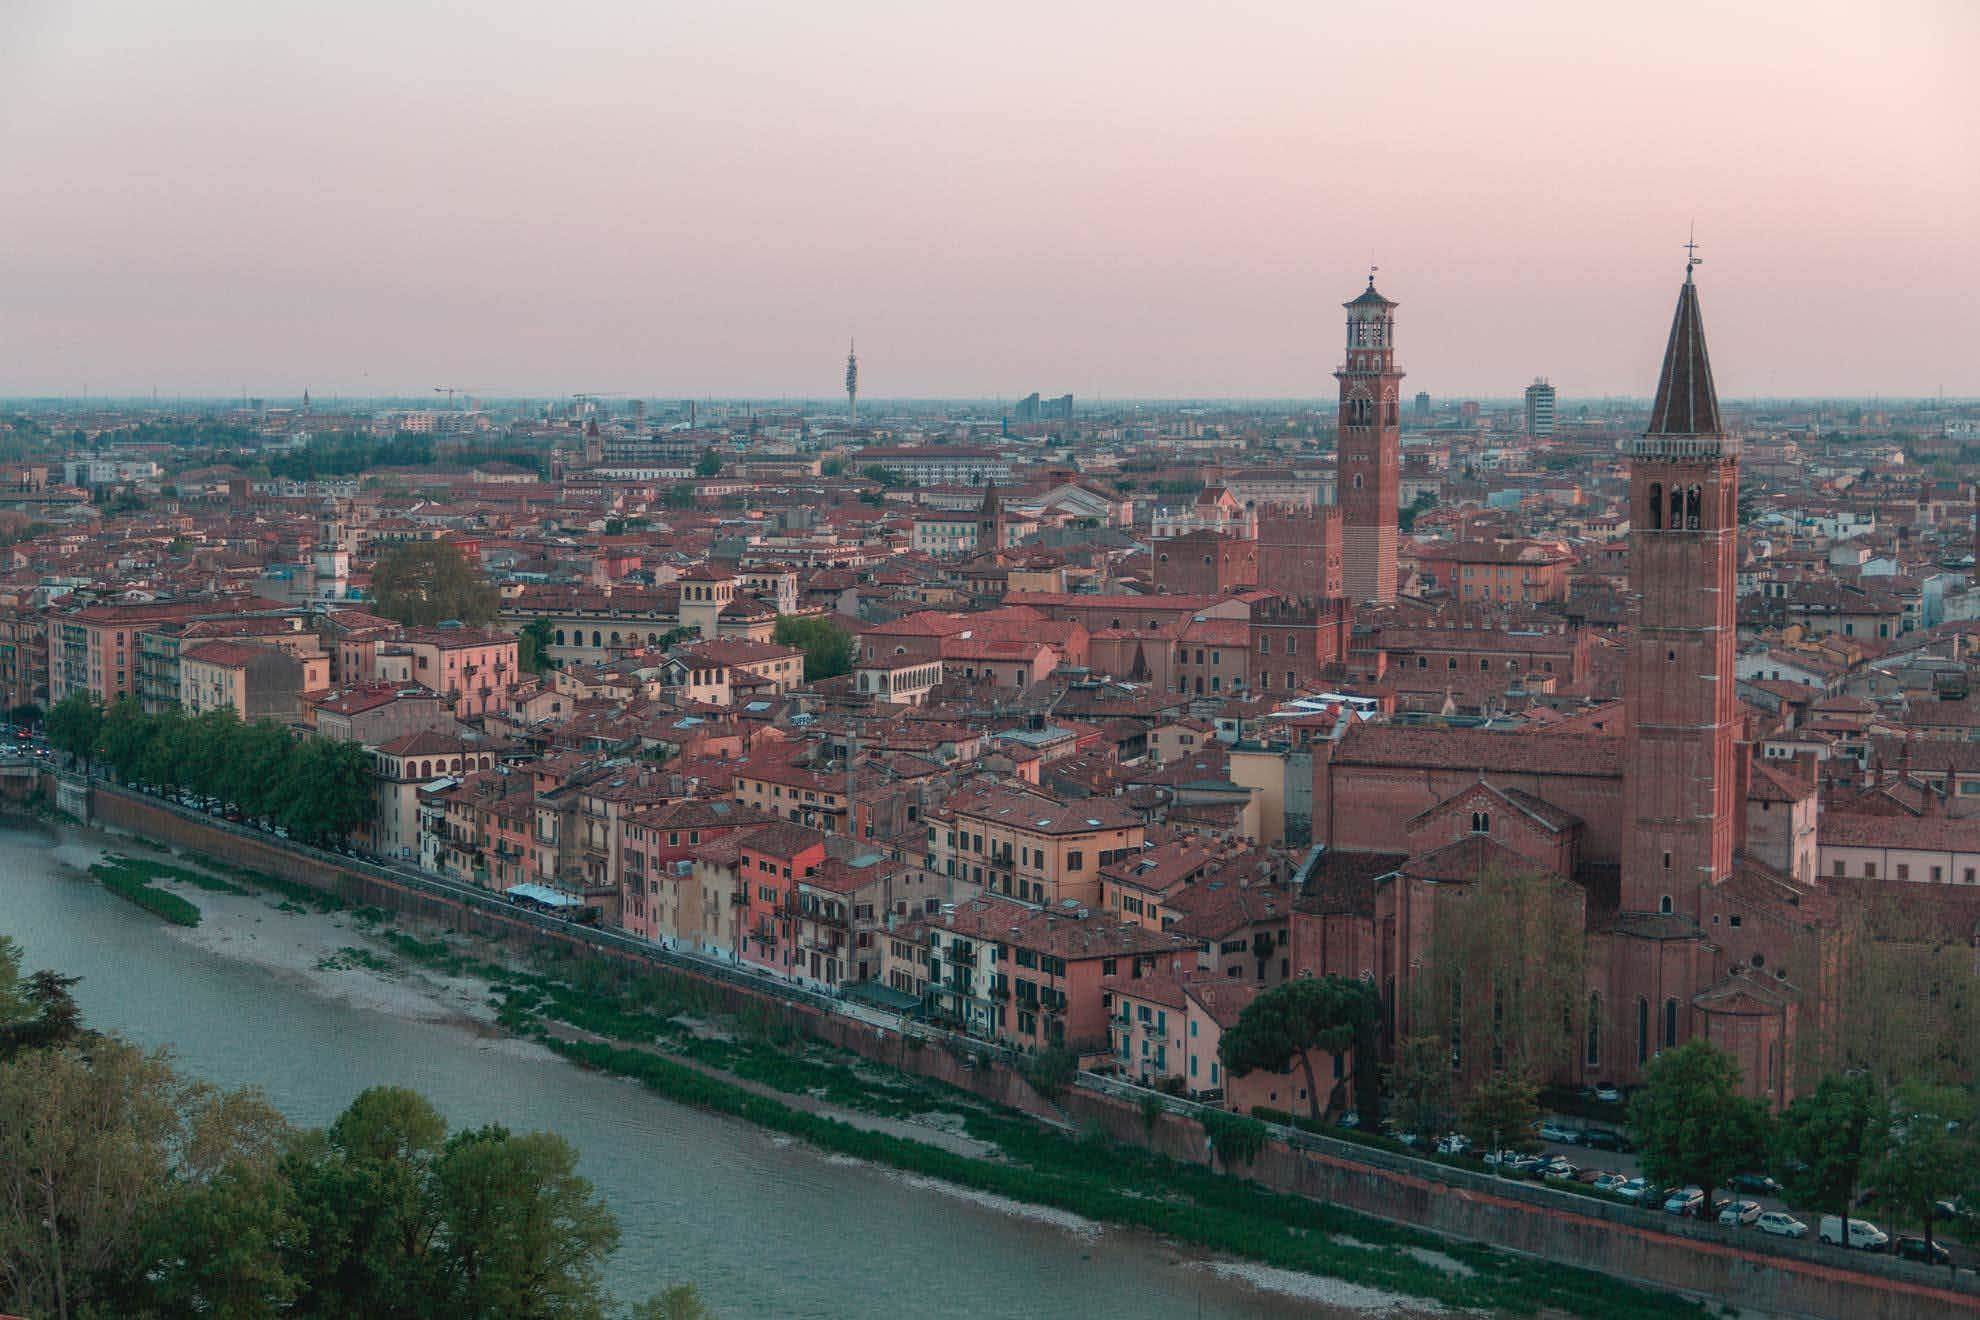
(1664, 905)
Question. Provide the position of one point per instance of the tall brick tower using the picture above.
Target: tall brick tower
(1680, 776)
(1368, 465)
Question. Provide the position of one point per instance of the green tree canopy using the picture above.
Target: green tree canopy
(1502, 1108)
(1692, 1124)
(1422, 1093)
(709, 464)
(533, 645)
(1926, 1152)
(428, 582)
(74, 724)
(1289, 1021)
(828, 648)
(1823, 1141)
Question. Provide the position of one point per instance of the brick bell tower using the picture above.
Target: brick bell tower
(1681, 771)
(1368, 464)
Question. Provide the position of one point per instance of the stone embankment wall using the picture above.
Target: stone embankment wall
(1786, 1278)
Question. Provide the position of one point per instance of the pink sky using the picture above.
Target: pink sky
(671, 198)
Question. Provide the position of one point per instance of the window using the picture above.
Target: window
(1642, 1030)
(1664, 906)
(1075, 860)
(1670, 1024)
(1481, 822)
(1594, 1054)
(1903, 871)
(1734, 920)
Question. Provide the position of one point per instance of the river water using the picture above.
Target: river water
(762, 1226)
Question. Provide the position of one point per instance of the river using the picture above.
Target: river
(763, 1226)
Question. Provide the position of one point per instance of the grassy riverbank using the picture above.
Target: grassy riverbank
(131, 879)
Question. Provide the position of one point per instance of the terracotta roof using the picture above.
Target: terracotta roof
(1481, 749)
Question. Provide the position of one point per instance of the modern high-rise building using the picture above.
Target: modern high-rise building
(852, 383)
(1540, 407)
(1368, 464)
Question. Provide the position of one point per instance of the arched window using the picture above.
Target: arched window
(1664, 905)
(1481, 822)
(595, 639)
(1670, 1024)
(1642, 1030)
(560, 637)
(1656, 506)
(1595, 1029)
(1357, 481)
(1691, 508)
(1677, 507)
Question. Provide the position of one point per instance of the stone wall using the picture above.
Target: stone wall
(1786, 1278)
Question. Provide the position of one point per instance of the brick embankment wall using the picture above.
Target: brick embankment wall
(1788, 1278)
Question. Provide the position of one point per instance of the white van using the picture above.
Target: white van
(1863, 1235)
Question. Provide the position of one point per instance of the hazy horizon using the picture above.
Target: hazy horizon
(1153, 202)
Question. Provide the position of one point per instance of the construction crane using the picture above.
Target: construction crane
(451, 390)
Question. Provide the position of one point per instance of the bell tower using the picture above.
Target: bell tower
(1368, 463)
(1680, 773)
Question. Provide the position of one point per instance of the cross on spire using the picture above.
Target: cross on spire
(1691, 252)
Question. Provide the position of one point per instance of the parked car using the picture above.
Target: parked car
(1351, 1119)
(1496, 1157)
(1551, 1131)
(1757, 1183)
(1601, 1138)
(1455, 1143)
(1608, 1091)
(1523, 1165)
(1918, 1249)
(1558, 1169)
(1610, 1181)
(1738, 1214)
(1590, 1176)
(1635, 1189)
(1781, 1224)
(1863, 1235)
(1684, 1201)
(1950, 1208)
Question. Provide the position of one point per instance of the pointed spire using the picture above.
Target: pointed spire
(1687, 403)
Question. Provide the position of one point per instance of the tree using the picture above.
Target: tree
(427, 582)
(1501, 1109)
(86, 1146)
(891, 478)
(1421, 1092)
(533, 645)
(680, 495)
(1823, 1141)
(1692, 1124)
(327, 789)
(709, 464)
(1286, 1023)
(828, 648)
(361, 1190)
(125, 737)
(1503, 981)
(74, 724)
(521, 1233)
(832, 467)
(1907, 1000)
(1926, 1152)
